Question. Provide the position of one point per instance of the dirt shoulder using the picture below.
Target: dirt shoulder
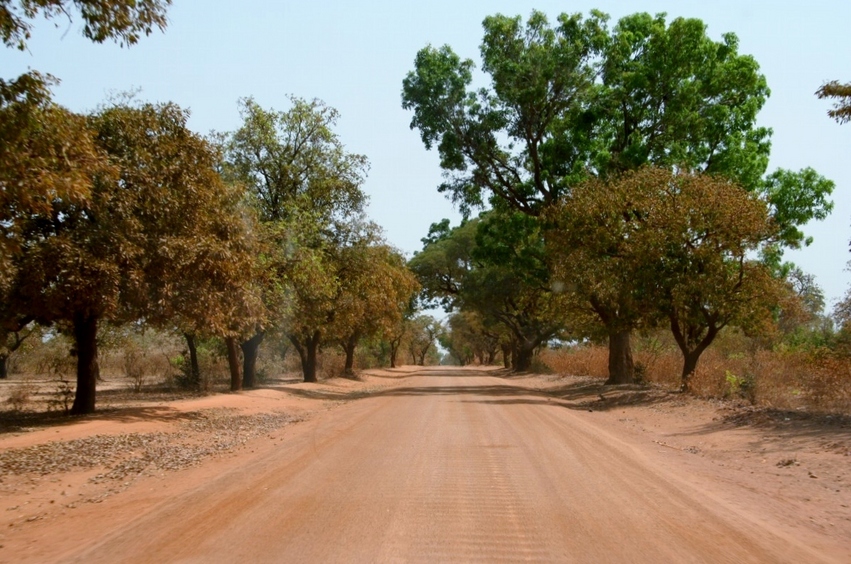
(60, 476)
(793, 466)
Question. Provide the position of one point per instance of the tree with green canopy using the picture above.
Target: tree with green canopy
(579, 98)
(657, 245)
(493, 265)
(295, 169)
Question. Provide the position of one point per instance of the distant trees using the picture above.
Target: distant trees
(579, 99)
(327, 277)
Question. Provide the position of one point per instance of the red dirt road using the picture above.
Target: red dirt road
(449, 466)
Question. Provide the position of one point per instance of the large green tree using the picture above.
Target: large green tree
(672, 248)
(581, 98)
(296, 171)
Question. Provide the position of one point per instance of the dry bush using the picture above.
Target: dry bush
(330, 364)
(733, 367)
(580, 360)
(21, 394)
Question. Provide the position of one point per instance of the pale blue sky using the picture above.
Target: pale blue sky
(353, 55)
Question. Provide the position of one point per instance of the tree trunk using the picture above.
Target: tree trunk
(523, 360)
(689, 366)
(393, 351)
(233, 364)
(250, 349)
(491, 357)
(621, 366)
(506, 355)
(307, 353)
(690, 357)
(194, 369)
(86, 344)
(349, 347)
(4, 366)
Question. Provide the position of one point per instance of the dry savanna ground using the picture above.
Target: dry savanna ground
(424, 464)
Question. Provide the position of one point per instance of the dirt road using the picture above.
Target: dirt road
(451, 466)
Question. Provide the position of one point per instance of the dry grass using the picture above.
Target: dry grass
(732, 368)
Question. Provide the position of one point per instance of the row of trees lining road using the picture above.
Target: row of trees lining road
(125, 215)
(584, 134)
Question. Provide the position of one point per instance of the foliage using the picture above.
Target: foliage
(658, 245)
(293, 161)
(122, 20)
(423, 333)
(841, 94)
(579, 98)
(127, 251)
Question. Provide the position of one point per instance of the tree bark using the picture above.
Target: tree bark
(523, 360)
(85, 341)
(4, 366)
(194, 368)
(393, 351)
(250, 350)
(307, 352)
(621, 366)
(349, 347)
(233, 364)
(691, 356)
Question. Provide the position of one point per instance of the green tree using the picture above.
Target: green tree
(657, 245)
(423, 333)
(493, 266)
(580, 99)
(296, 170)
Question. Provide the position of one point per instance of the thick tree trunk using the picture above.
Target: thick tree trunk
(690, 357)
(307, 353)
(86, 344)
(4, 366)
(349, 348)
(621, 366)
(194, 368)
(523, 357)
(250, 349)
(233, 364)
(689, 366)
(395, 345)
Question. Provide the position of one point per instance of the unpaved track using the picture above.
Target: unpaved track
(451, 466)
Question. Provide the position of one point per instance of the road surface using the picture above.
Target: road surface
(452, 466)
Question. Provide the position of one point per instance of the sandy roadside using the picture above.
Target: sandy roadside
(794, 470)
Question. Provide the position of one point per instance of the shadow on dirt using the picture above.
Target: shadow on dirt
(14, 422)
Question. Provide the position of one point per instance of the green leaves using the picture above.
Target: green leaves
(795, 199)
(294, 161)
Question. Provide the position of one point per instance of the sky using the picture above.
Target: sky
(353, 55)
